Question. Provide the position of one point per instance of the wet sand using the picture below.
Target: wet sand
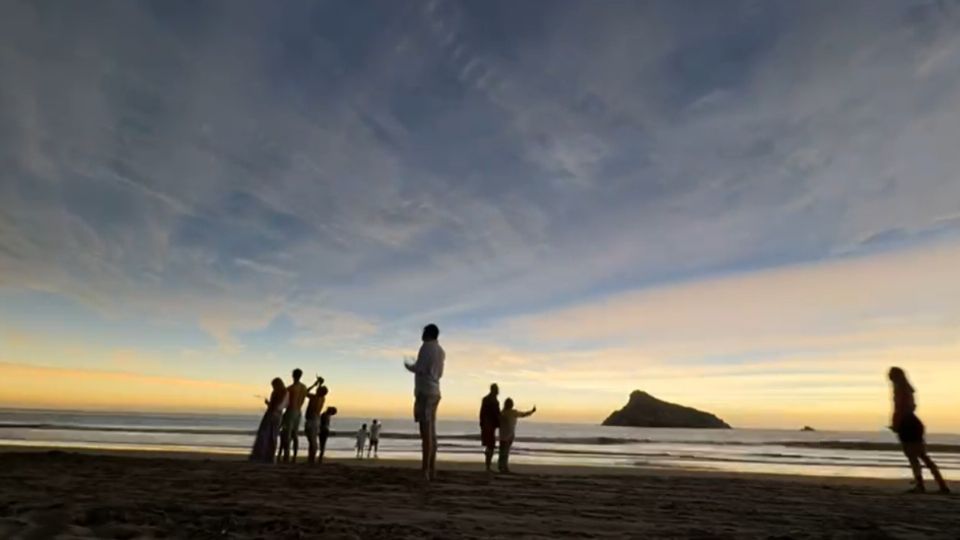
(116, 495)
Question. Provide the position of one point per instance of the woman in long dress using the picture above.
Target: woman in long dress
(910, 431)
(265, 445)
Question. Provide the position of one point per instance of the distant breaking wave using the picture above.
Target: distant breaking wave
(335, 433)
(586, 441)
(868, 446)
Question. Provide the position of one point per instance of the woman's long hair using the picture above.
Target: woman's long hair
(278, 392)
(899, 379)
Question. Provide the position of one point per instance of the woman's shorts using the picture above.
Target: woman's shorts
(911, 430)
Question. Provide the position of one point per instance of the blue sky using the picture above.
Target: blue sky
(222, 191)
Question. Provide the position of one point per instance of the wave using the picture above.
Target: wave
(473, 437)
(868, 446)
(641, 459)
(335, 433)
(587, 441)
(128, 429)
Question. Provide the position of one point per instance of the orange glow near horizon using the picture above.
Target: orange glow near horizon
(799, 354)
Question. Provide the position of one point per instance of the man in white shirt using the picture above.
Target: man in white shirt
(427, 370)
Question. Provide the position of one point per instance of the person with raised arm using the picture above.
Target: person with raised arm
(311, 426)
(427, 370)
(508, 429)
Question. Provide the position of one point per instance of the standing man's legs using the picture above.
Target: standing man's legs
(420, 415)
(425, 445)
(488, 438)
(432, 417)
(433, 449)
(311, 431)
(294, 435)
(425, 412)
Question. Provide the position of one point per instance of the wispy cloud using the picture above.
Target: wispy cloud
(859, 299)
(471, 163)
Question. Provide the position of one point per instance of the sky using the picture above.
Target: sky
(750, 207)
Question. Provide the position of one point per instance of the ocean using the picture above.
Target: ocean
(821, 453)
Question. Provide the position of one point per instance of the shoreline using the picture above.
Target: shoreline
(466, 465)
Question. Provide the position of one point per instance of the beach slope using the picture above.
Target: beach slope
(57, 494)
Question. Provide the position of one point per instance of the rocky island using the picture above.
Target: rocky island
(644, 410)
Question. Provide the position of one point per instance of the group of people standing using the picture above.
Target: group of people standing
(281, 421)
(427, 370)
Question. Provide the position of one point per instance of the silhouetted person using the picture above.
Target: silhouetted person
(362, 440)
(374, 448)
(265, 445)
(489, 423)
(311, 426)
(508, 428)
(325, 429)
(428, 369)
(910, 430)
(290, 427)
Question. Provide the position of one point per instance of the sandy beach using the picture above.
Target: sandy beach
(53, 494)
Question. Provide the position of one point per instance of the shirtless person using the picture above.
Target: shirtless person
(290, 426)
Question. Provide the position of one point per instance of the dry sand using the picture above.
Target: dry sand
(83, 495)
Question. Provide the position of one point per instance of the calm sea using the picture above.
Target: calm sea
(822, 453)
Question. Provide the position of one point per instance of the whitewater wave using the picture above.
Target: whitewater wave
(472, 437)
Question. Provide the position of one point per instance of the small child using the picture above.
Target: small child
(508, 427)
(374, 447)
(361, 441)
